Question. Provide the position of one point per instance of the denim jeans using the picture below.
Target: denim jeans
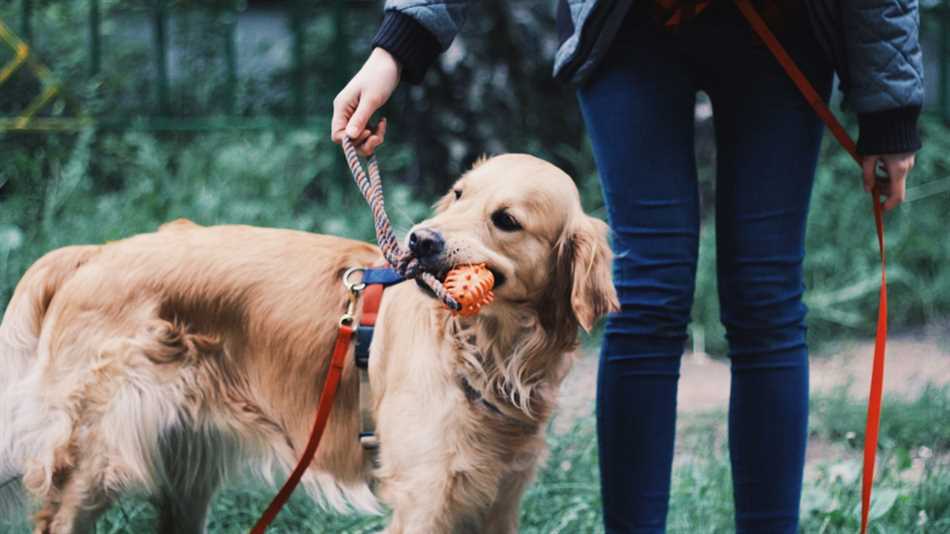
(639, 110)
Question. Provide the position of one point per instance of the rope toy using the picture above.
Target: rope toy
(400, 259)
(471, 285)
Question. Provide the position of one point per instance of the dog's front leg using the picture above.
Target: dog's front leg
(458, 484)
(437, 478)
(447, 509)
(502, 517)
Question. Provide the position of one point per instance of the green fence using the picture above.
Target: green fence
(159, 113)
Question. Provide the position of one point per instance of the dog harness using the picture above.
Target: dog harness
(371, 287)
(375, 281)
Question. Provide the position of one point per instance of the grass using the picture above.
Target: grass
(920, 422)
(912, 486)
(912, 491)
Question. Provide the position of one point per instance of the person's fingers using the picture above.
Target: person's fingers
(369, 89)
(371, 143)
(894, 185)
(897, 194)
(867, 165)
(898, 166)
(370, 146)
(361, 116)
(343, 106)
(359, 140)
(897, 169)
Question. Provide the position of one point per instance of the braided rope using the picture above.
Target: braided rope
(400, 259)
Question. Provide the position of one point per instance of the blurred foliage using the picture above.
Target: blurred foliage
(493, 90)
(842, 266)
(197, 34)
(266, 179)
(490, 93)
(99, 185)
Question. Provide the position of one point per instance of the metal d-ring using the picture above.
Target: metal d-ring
(354, 286)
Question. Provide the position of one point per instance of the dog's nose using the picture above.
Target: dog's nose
(425, 243)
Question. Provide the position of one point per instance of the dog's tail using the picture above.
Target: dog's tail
(19, 340)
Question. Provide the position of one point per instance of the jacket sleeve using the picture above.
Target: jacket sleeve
(415, 32)
(885, 72)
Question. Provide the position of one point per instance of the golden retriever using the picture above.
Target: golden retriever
(162, 363)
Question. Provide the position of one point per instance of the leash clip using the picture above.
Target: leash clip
(353, 288)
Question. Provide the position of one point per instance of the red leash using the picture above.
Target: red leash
(880, 341)
(340, 350)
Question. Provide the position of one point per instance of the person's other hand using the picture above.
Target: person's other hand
(369, 89)
(894, 186)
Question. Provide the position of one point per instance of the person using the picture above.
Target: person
(637, 81)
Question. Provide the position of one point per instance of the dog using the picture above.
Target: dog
(164, 363)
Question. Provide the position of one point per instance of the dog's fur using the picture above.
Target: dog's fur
(161, 363)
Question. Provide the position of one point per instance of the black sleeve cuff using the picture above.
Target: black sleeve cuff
(415, 47)
(892, 131)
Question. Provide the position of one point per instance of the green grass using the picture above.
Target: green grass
(912, 491)
(905, 424)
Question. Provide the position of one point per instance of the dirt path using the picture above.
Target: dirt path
(912, 362)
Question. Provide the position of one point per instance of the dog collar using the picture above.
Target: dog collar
(475, 396)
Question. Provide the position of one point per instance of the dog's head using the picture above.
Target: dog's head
(522, 217)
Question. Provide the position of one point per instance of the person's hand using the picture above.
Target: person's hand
(893, 186)
(369, 89)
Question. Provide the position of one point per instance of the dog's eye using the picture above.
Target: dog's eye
(505, 222)
(458, 193)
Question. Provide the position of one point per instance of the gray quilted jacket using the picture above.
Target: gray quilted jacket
(872, 43)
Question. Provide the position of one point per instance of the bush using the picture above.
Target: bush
(288, 180)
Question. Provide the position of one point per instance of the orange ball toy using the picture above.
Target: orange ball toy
(471, 286)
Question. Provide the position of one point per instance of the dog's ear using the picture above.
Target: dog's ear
(584, 262)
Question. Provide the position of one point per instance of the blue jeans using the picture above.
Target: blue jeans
(639, 110)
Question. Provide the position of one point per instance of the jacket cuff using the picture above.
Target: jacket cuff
(892, 131)
(415, 47)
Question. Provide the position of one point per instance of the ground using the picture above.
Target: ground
(912, 362)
